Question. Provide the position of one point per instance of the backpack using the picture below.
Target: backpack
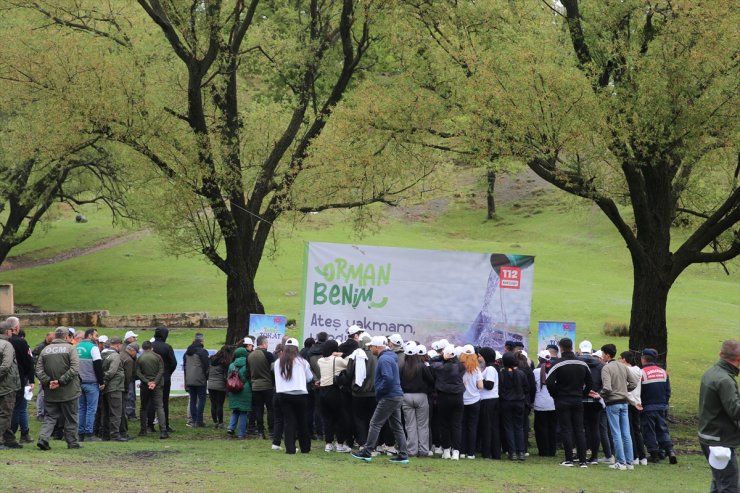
(234, 382)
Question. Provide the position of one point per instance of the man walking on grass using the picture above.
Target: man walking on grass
(58, 371)
(390, 398)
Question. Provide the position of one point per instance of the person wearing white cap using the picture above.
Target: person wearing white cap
(450, 389)
(592, 407)
(473, 381)
(490, 407)
(545, 419)
(395, 343)
(330, 366)
(361, 372)
(719, 414)
(130, 337)
(417, 382)
(292, 373)
(389, 395)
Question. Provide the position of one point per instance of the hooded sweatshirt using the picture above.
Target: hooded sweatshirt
(595, 365)
(242, 400)
(195, 365)
(163, 349)
(387, 378)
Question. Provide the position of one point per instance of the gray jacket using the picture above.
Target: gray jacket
(10, 380)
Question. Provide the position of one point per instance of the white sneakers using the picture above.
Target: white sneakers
(391, 450)
(455, 455)
(643, 462)
(471, 457)
(438, 450)
(446, 454)
(276, 447)
(342, 448)
(620, 467)
(329, 448)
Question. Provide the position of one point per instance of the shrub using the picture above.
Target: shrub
(616, 329)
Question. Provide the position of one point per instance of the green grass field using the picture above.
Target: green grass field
(582, 273)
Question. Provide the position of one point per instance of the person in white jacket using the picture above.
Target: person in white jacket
(635, 409)
(292, 373)
(545, 420)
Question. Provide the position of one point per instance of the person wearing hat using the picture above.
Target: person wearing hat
(130, 399)
(719, 415)
(417, 382)
(348, 347)
(389, 395)
(449, 386)
(395, 344)
(330, 366)
(165, 351)
(361, 373)
(513, 393)
(196, 366)
(568, 382)
(473, 382)
(292, 374)
(545, 419)
(655, 394)
(592, 408)
(113, 381)
(128, 353)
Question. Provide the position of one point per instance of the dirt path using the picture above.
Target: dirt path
(23, 262)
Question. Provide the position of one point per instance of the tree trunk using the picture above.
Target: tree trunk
(648, 328)
(491, 202)
(241, 301)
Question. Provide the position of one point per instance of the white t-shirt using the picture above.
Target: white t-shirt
(472, 392)
(490, 374)
(542, 399)
(300, 376)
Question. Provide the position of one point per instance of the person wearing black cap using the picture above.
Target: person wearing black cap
(509, 346)
(568, 382)
(655, 394)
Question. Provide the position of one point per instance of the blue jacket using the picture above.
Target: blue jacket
(656, 389)
(387, 379)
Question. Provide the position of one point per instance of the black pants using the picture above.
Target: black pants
(638, 444)
(606, 435)
(331, 402)
(591, 417)
(450, 410)
(151, 401)
(7, 404)
(262, 399)
(362, 411)
(471, 413)
(123, 429)
(513, 416)
(346, 410)
(279, 427)
(489, 429)
(293, 409)
(570, 419)
(165, 405)
(217, 397)
(545, 432)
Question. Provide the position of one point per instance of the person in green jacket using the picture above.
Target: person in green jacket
(58, 371)
(719, 415)
(10, 383)
(240, 402)
(150, 370)
(112, 391)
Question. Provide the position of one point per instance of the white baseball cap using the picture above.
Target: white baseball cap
(524, 353)
(719, 457)
(291, 342)
(421, 349)
(585, 347)
(468, 349)
(448, 350)
(396, 339)
(130, 333)
(499, 355)
(458, 351)
(248, 341)
(410, 349)
(353, 329)
(432, 353)
(378, 341)
(545, 354)
(103, 339)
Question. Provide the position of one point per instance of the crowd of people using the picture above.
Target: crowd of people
(382, 395)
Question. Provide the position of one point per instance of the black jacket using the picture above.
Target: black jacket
(595, 365)
(421, 382)
(348, 347)
(513, 385)
(569, 379)
(24, 360)
(165, 351)
(448, 376)
(531, 384)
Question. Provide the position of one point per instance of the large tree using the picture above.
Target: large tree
(630, 104)
(232, 110)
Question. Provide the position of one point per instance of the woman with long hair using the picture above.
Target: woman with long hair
(417, 382)
(545, 420)
(448, 383)
(292, 373)
(489, 406)
(473, 381)
(219, 363)
(513, 394)
(330, 365)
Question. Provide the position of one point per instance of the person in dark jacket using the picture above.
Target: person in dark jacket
(361, 373)
(390, 398)
(217, 383)
(450, 388)
(112, 393)
(655, 394)
(196, 367)
(592, 407)
(263, 389)
(24, 359)
(167, 354)
(314, 354)
(513, 395)
(150, 370)
(568, 382)
(417, 382)
(127, 353)
(35, 353)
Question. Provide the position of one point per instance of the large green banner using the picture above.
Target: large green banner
(479, 298)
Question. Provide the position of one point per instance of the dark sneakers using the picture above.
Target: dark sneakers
(399, 459)
(13, 445)
(74, 445)
(364, 455)
(43, 445)
(672, 457)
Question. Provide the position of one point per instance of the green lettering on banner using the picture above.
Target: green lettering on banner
(334, 292)
(384, 274)
(355, 273)
(362, 295)
(319, 296)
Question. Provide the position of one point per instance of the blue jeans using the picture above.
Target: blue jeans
(88, 406)
(20, 413)
(197, 402)
(240, 417)
(619, 422)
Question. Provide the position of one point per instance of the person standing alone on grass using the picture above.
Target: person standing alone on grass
(568, 382)
(719, 418)
(196, 367)
(58, 371)
(390, 398)
(150, 370)
(617, 381)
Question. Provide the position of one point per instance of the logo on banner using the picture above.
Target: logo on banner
(510, 277)
(351, 284)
